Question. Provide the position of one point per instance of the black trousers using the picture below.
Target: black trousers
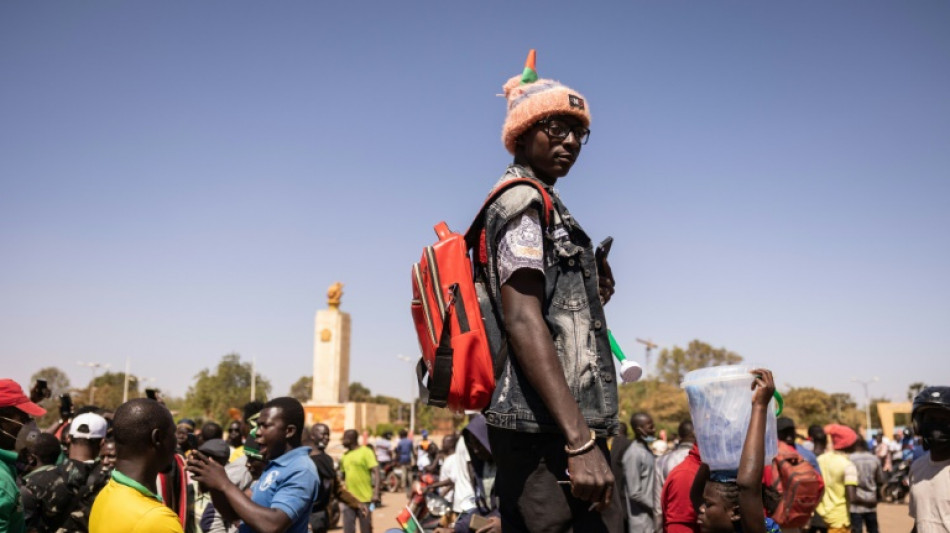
(868, 520)
(529, 497)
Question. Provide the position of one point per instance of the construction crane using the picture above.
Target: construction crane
(650, 345)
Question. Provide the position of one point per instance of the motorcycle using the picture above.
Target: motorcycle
(898, 483)
(392, 475)
(425, 509)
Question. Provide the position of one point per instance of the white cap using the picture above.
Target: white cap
(88, 426)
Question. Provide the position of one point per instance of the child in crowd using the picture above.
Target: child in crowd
(733, 501)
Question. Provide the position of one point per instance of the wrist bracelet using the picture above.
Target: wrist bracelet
(584, 448)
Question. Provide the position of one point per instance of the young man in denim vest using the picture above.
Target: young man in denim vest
(555, 402)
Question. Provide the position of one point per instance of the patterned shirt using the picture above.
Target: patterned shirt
(521, 246)
(59, 498)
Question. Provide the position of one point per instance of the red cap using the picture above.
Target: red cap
(841, 436)
(11, 395)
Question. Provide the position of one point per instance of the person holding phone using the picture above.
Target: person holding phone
(555, 403)
(283, 497)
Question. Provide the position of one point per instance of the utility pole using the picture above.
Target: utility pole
(412, 395)
(125, 387)
(867, 403)
(253, 377)
(650, 345)
(92, 384)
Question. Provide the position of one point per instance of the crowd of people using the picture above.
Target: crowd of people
(135, 469)
(546, 453)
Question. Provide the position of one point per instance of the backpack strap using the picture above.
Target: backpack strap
(475, 239)
(476, 231)
(436, 391)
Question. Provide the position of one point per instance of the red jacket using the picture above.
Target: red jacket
(678, 513)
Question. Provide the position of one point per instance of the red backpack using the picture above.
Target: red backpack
(454, 316)
(800, 486)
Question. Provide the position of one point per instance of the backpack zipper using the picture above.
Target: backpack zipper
(436, 281)
(417, 276)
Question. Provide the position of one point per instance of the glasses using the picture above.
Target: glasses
(558, 129)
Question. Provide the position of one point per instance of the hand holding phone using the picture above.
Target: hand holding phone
(40, 391)
(65, 406)
(605, 277)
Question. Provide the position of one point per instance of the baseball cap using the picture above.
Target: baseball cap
(217, 449)
(784, 423)
(11, 395)
(251, 449)
(88, 426)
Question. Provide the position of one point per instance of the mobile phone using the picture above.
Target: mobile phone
(150, 394)
(41, 384)
(65, 406)
(600, 254)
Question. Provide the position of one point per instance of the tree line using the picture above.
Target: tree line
(215, 393)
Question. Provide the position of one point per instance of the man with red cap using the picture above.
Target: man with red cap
(16, 423)
(841, 479)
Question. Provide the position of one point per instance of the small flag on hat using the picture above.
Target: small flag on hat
(530, 74)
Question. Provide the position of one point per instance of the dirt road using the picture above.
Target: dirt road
(892, 517)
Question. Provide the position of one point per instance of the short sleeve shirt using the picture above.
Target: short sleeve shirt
(521, 245)
(930, 495)
(838, 472)
(404, 451)
(384, 450)
(356, 465)
(456, 469)
(129, 507)
(289, 483)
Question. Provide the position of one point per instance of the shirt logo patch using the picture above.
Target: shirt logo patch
(575, 101)
(268, 480)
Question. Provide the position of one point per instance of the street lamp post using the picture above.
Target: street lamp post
(143, 382)
(125, 385)
(867, 403)
(412, 395)
(92, 385)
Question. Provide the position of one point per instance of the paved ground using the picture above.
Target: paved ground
(385, 517)
(892, 517)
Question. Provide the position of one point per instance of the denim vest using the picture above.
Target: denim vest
(571, 309)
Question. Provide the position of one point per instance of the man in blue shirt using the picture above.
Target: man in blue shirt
(282, 498)
(404, 455)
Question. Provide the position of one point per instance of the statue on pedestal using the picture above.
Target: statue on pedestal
(334, 293)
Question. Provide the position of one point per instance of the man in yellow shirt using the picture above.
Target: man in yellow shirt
(145, 445)
(841, 479)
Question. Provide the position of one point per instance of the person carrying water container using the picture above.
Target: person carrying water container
(736, 500)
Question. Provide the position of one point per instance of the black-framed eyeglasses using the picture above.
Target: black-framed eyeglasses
(558, 129)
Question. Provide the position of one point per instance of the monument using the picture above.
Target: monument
(329, 401)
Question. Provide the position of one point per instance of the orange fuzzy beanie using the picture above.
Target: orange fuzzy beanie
(531, 98)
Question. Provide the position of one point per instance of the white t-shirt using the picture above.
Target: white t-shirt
(930, 495)
(384, 450)
(422, 458)
(455, 468)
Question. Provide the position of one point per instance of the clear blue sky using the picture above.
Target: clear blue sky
(180, 180)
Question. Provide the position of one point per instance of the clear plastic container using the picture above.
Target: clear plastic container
(720, 402)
